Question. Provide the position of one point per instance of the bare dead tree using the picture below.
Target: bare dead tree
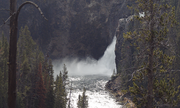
(13, 49)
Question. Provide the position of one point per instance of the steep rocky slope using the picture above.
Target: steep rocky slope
(123, 49)
(123, 53)
(75, 28)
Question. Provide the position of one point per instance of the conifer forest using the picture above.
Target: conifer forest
(36, 33)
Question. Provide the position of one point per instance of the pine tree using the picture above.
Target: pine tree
(60, 93)
(41, 91)
(178, 18)
(50, 93)
(152, 82)
(25, 42)
(3, 70)
(50, 98)
(1, 88)
(60, 89)
(5, 54)
(65, 75)
(83, 100)
(24, 69)
(28, 59)
(19, 101)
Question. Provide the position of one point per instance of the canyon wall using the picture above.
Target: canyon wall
(75, 28)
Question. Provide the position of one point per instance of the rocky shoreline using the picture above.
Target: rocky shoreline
(113, 86)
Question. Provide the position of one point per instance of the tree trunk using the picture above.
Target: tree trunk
(150, 60)
(12, 56)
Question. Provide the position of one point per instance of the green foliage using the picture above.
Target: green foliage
(60, 89)
(60, 93)
(27, 67)
(1, 90)
(40, 88)
(83, 100)
(50, 99)
(19, 101)
(152, 82)
(31, 88)
(64, 75)
(28, 58)
(3, 70)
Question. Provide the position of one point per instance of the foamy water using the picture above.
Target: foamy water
(91, 74)
(89, 66)
(98, 97)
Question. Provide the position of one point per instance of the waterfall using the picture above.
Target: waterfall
(89, 66)
(91, 74)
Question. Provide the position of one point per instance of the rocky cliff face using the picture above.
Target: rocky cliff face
(123, 49)
(75, 28)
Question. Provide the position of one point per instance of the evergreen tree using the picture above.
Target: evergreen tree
(1, 88)
(50, 98)
(178, 18)
(3, 71)
(79, 101)
(65, 75)
(41, 91)
(19, 101)
(60, 93)
(26, 67)
(83, 100)
(152, 82)
(50, 93)
(60, 89)
(28, 59)
(5, 50)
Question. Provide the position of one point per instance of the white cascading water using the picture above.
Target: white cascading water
(104, 66)
(91, 74)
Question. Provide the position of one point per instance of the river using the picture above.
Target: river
(98, 97)
(91, 74)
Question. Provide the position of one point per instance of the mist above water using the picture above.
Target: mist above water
(89, 66)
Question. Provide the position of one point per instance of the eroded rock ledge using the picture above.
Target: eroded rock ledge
(113, 86)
